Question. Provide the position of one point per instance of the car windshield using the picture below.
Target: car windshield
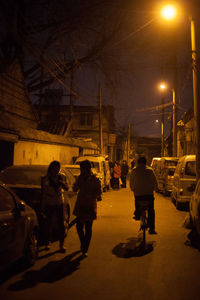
(95, 165)
(171, 171)
(23, 175)
(171, 162)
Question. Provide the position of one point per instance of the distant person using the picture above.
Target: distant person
(89, 191)
(124, 173)
(143, 183)
(116, 174)
(111, 165)
(52, 203)
(132, 164)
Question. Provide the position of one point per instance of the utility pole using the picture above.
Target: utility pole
(71, 99)
(174, 122)
(162, 129)
(128, 142)
(100, 120)
(195, 75)
(71, 105)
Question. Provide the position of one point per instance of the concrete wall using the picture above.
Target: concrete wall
(26, 152)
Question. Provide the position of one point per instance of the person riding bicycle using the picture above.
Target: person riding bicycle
(143, 183)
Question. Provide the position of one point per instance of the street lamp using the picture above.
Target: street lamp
(169, 12)
(163, 86)
(196, 107)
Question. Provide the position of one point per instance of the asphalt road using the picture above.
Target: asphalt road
(114, 269)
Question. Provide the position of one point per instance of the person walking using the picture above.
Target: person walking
(124, 172)
(116, 174)
(89, 191)
(143, 183)
(52, 186)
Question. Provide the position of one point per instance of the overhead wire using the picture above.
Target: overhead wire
(51, 61)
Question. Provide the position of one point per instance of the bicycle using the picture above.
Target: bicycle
(143, 209)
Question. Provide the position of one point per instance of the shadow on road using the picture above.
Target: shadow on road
(132, 248)
(14, 269)
(53, 271)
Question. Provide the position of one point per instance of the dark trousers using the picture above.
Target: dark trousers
(116, 183)
(54, 214)
(84, 230)
(123, 178)
(151, 211)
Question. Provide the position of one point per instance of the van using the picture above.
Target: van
(165, 172)
(100, 167)
(166, 180)
(155, 164)
(184, 180)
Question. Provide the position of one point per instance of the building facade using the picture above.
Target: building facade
(83, 123)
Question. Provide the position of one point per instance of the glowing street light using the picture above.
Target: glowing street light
(169, 12)
(162, 86)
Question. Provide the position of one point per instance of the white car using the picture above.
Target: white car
(100, 167)
(184, 180)
(195, 208)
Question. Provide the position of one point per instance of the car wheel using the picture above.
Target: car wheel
(166, 193)
(31, 248)
(178, 205)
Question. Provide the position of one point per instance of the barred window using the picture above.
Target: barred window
(86, 120)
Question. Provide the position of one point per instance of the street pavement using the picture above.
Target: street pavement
(170, 269)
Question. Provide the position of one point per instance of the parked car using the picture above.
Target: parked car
(18, 229)
(166, 180)
(194, 208)
(155, 164)
(73, 169)
(100, 167)
(184, 180)
(25, 181)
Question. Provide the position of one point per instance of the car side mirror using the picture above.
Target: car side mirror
(21, 206)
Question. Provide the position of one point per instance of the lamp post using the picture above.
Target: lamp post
(162, 87)
(174, 121)
(169, 12)
(174, 126)
(195, 97)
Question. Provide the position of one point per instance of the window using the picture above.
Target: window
(171, 162)
(171, 172)
(86, 120)
(95, 165)
(190, 168)
(6, 200)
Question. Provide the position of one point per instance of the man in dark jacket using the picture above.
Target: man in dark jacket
(143, 183)
(124, 173)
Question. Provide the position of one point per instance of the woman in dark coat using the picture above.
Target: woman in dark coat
(52, 203)
(89, 190)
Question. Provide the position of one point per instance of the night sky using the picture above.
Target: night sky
(137, 51)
